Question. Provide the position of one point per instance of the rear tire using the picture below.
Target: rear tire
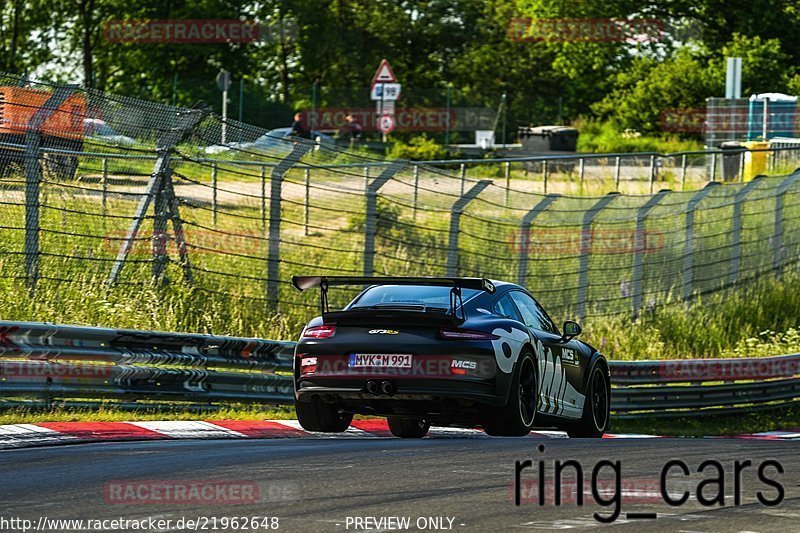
(317, 415)
(408, 428)
(515, 419)
(597, 407)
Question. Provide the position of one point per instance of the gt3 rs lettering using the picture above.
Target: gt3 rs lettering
(383, 332)
(508, 347)
(557, 396)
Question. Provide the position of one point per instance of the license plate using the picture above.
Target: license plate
(381, 360)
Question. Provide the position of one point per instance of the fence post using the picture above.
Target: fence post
(33, 178)
(366, 178)
(508, 180)
(736, 233)
(713, 166)
(683, 172)
(214, 194)
(463, 177)
(525, 235)
(306, 204)
(159, 186)
(105, 191)
(544, 175)
(741, 164)
(371, 213)
(688, 241)
(455, 221)
(416, 190)
(177, 225)
(586, 248)
(276, 188)
(187, 120)
(581, 171)
(617, 164)
(639, 244)
(263, 196)
(652, 173)
(777, 236)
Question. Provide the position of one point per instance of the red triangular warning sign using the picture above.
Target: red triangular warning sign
(384, 74)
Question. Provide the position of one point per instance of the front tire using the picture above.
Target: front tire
(515, 419)
(597, 407)
(408, 428)
(317, 415)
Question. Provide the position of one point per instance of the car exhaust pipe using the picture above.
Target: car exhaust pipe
(387, 387)
(373, 387)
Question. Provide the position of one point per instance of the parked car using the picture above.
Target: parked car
(97, 129)
(278, 140)
(447, 352)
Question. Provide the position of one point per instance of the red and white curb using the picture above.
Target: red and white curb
(51, 433)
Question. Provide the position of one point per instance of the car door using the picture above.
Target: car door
(559, 362)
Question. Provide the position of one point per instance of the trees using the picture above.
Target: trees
(470, 44)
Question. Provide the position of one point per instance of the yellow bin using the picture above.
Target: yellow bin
(755, 163)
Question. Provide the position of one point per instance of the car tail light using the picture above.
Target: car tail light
(324, 331)
(465, 335)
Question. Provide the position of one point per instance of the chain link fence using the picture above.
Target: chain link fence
(97, 188)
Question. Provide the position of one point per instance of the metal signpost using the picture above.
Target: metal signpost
(385, 90)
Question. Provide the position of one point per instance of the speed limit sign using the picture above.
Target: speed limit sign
(386, 124)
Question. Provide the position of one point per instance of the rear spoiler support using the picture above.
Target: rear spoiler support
(302, 283)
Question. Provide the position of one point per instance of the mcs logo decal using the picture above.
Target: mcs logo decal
(466, 365)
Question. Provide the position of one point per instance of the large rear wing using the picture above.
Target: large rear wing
(303, 283)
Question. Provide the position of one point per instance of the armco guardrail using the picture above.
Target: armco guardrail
(47, 362)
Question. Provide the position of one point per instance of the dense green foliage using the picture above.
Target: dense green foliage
(473, 45)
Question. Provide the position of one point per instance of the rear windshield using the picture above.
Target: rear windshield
(409, 295)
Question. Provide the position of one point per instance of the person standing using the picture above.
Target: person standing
(298, 128)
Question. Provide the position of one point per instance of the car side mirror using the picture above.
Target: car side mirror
(571, 329)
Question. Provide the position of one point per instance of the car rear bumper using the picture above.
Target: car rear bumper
(466, 393)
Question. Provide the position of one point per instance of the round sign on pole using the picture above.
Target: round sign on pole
(224, 80)
(386, 124)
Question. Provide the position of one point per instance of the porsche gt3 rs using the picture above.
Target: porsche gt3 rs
(461, 352)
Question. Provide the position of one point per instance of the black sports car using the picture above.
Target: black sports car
(446, 352)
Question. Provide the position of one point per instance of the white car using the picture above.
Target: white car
(95, 128)
(277, 140)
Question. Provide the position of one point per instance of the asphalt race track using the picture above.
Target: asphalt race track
(316, 484)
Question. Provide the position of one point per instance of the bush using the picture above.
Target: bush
(419, 148)
(604, 137)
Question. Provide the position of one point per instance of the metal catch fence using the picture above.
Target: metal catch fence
(99, 189)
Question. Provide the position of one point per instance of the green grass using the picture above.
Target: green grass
(759, 319)
(25, 415)
(739, 424)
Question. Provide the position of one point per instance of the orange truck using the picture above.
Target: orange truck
(62, 128)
